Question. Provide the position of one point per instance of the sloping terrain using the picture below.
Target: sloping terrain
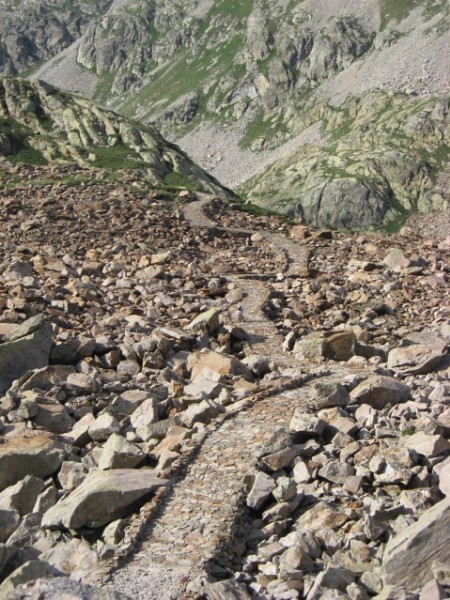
(154, 433)
(382, 157)
(39, 124)
(235, 81)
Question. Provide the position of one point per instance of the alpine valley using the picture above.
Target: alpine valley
(224, 300)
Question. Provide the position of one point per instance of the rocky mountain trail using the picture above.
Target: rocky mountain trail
(180, 448)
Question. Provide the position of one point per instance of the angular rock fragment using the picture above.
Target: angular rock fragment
(306, 424)
(33, 453)
(409, 556)
(118, 453)
(103, 426)
(261, 490)
(9, 522)
(427, 445)
(332, 345)
(327, 395)
(23, 495)
(207, 321)
(336, 472)
(27, 348)
(204, 412)
(29, 571)
(221, 363)
(102, 497)
(415, 359)
(378, 390)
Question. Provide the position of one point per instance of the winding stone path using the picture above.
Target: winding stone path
(197, 526)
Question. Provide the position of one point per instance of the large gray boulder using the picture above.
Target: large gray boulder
(378, 390)
(35, 453)
(416, 359)
(29, 571)
(409, 556)
(23, 495)
(27, 348)
(102, 497)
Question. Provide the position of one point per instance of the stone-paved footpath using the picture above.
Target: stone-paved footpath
(198, 520)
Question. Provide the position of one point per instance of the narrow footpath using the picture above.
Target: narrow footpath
(198, 525)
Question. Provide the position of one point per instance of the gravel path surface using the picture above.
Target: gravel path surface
(196, 520)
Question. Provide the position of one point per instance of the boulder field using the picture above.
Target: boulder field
(157, 442)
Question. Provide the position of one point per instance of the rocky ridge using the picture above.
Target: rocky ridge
(39, 124)
(297, 453)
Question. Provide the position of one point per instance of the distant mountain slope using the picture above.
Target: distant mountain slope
(39, 123)
(31, 32)
(233, 81)
(382, 157)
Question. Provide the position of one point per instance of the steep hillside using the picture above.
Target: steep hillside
(383, 157)
(237, 84)
(39, 124)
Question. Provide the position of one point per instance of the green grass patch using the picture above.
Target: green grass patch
(263, 129)
(397, 10)
(102, 91)
(116, 157)
(22, 151)
(177, 180)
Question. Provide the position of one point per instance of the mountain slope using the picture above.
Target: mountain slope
(382, 157)
(233, 82)
(39, 124)
(32, 32)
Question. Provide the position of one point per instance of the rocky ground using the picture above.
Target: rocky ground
(157, 442)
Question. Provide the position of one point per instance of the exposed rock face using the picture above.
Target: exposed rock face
(33, 33)
(346, 183)
(268, 71)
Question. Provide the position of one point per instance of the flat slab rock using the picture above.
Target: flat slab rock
(102, 497)
(32, 453)
(409, 556)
